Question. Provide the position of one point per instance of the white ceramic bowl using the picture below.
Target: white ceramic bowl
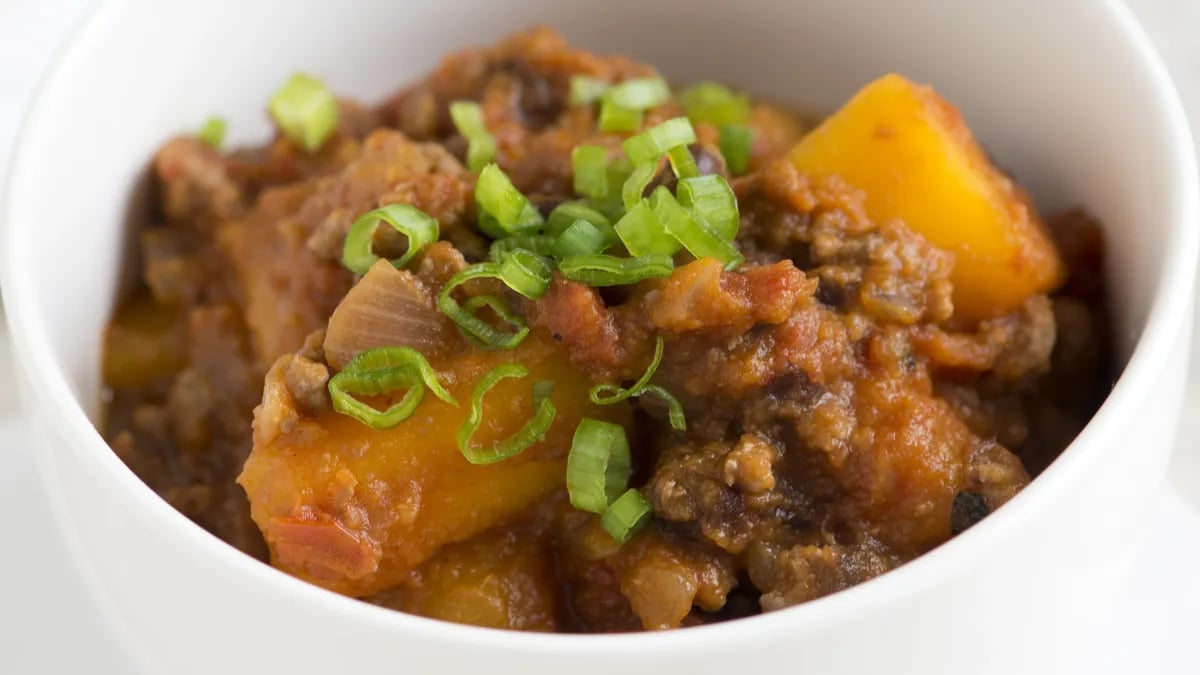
(1067, 94)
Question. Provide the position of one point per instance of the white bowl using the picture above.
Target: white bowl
(1067, 94)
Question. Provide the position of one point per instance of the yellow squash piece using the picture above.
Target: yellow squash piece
(915, 158)
(356, 509)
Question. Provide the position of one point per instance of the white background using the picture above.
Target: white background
(47, 624)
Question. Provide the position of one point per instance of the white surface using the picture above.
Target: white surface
(1160, 602)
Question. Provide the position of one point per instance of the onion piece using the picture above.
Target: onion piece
(387, 308)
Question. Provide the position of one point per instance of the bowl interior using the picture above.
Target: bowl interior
(143, 70)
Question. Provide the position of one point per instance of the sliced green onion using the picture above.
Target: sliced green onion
(642, 232)
(639, 94)
(615, 118)
(212, 132)
(465, 315)
(622, 105)
(481, 145)
(383, 358)
(586, 90)
(343, 387)
(526, 273)
(306, 112)
(410, 221)
(628, 514)
(608, 394)
(711, 200)
(598, 466)
(682, 162)
(534, 243)
(653, 142)
(618, 172)
(635, 185)
(533, 431)
(674, 407)
(735, 143)
(380, 371)
(695, 235)
(605, 270)
(590, 166)
(581, 238)
(715, 104)
(503, 209)
(611, 207)
(565, 214)
(502, 310)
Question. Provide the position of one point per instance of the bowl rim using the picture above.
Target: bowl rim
(51, 392)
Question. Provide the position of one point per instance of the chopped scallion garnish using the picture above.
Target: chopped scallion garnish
(465, 315)
(305, 111)
(694, 234)
(608, 394)
(622, 105)
(598, 466)
(533, 431)
(712, 201)
(674, 407)
(525, 273)
(382, 371)
(481, 145)
(658, 139)
(615, 118)
(410, 221)
(642, 232)
(590, 166)
(581, 238)
(503, 210)
(586, 90)
(682, 162)
(565, 214)
(627, 514)
(606, 270)
(635, 186)
(534, 243)
(212, 132)
(736, 142)
(642, 93)
(714, 103)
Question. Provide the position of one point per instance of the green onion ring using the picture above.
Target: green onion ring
(598, 466)
(534, 243)
(465, 315)
(608, 394)
(658, 139)
(410, 221)
(379, 371)
(627, 514)
(589, 165)
(642, 232)
(533, 431)
(635, 185)
(468, 120)
(606, 270)
(711, 200)
(736, 142)
(212, 133)
(305, 111)
(581, 238)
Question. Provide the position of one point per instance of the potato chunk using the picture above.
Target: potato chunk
(915, 158)
(355, 509)
(500, 579)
